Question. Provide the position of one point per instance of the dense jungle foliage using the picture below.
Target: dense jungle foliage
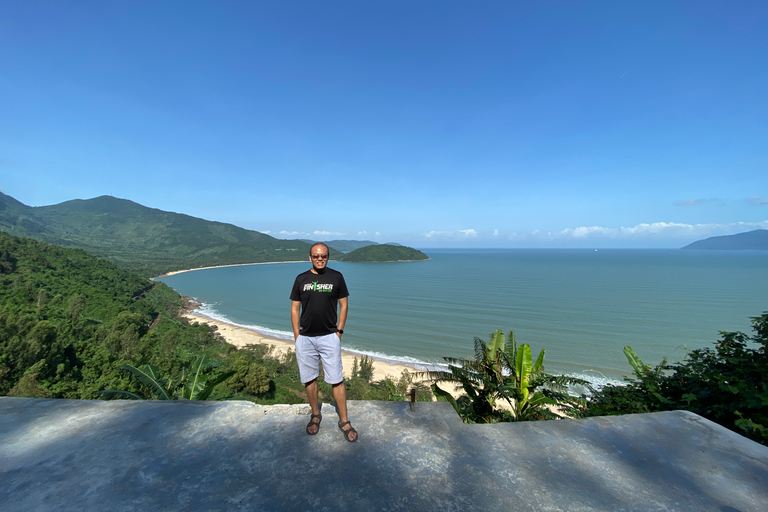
(69, 320)
(73, 326)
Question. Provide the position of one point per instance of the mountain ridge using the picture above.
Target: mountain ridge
(151, 241)
(147, 240)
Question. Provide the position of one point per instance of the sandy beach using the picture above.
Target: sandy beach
(240, 337)
(174, 272)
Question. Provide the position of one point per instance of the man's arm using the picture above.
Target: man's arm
(343, 307)
(295, 314)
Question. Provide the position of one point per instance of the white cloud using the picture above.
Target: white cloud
(495, 232)
(658, 230)
(292, 233)
(452, 235)
(758, 200)
(326, 233)
(585, 231)
(362, 233)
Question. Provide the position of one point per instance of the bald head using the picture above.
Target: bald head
(319, 244)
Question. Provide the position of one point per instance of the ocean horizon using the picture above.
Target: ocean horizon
(581, 305)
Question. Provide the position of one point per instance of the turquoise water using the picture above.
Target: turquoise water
(582, 306)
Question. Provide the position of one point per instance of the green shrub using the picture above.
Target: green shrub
(727, 384)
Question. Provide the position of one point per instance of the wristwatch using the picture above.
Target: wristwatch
(340, 331)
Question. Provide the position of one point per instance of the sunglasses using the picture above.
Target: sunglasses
(319, 256)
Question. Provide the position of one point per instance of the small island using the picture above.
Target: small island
(383, 253)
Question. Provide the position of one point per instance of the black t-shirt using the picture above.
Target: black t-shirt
(319, 295)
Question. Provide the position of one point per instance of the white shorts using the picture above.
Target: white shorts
(311, 349)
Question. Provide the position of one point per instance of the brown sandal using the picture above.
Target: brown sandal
(312, 422)
(349, 431)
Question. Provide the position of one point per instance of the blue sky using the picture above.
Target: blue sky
(429, 123)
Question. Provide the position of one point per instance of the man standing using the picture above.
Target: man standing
(317, 329)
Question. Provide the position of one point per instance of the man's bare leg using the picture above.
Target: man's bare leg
(311, 389)
(340, 397)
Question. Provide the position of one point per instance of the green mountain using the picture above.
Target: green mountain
(749, 241)
(384, 252)
(343, 245)
(146, 240)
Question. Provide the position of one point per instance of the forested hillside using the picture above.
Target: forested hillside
(69, 320)
(145, 240)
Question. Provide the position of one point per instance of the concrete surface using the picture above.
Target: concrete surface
(201, 456)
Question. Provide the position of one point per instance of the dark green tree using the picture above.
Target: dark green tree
(248, 376)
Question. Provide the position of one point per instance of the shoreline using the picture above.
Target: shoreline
(242, 336)
(174, 272)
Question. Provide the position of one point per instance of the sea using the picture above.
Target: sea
(581, 306)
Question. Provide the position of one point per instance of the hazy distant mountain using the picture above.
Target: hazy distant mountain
(147, 240)
(383, 253)
(343, 245)
(749, 241)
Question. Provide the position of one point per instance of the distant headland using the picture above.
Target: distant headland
(756, 240)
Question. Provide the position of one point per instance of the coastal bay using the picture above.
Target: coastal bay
(581, 306)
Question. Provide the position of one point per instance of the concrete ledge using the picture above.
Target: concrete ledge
(189, 456)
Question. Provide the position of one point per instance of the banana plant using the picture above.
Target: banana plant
(521, 393)
(503, 370)
(192, 384)
(195, 384)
